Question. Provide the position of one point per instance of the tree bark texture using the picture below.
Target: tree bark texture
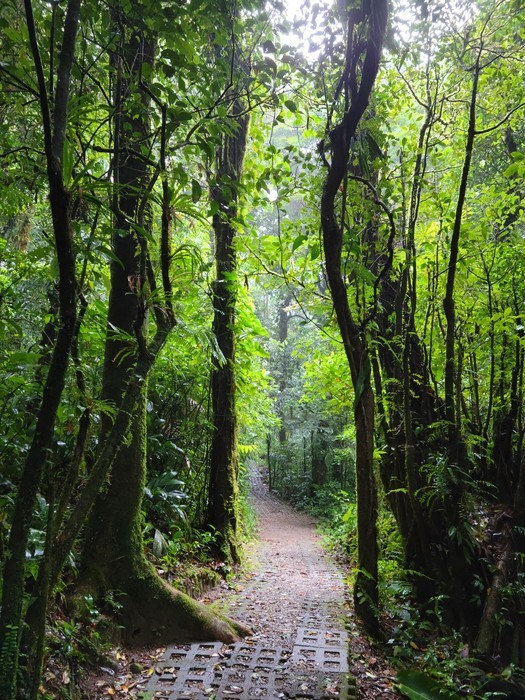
(224, 460)
(113, 557)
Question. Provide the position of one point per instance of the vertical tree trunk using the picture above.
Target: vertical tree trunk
(452, 410)
(283, 380)
(224, 460)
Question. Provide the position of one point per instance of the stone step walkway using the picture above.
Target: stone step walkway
(295, 605)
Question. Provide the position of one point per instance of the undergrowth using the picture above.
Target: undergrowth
(434, 661)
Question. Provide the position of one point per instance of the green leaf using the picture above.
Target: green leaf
(291, 105)
(159, 544)
(350, 513)
(179, 115)
(298, 241)
(511, 170)
(174, 58)
(269, 47)
(67, 162)
(270, 62)
(420, 686)
(315, 251)
(196, 191)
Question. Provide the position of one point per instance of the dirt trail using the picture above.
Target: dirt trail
(305, 643)
(295, 605)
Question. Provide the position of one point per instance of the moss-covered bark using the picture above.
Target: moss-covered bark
(114, 560)
(113, 557)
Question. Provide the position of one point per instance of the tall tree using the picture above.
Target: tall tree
(224, 458)
(223, 491)
(54, 128)
(152, 610)
(365, 34)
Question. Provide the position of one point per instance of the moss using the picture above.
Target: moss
(154, 612)
(194, 579)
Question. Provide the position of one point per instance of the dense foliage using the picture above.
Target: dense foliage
(231, 234)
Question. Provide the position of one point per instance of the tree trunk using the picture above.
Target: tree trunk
(284, 319)
(113, 556)
(353, 336)
(224, 458)
(36, 461)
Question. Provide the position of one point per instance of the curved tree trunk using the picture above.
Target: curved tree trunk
(152, 611)
(353, 336)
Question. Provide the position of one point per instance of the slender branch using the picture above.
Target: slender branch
(41, 80)
(479, 132)
(64, 78)
(18, 81)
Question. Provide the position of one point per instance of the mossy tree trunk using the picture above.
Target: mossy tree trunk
(224, 459)
(113, 557)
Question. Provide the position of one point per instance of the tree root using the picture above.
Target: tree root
(150, 611)
(154, 612)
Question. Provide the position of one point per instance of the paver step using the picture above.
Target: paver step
(254, 670)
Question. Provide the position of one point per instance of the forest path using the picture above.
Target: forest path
(294, 602)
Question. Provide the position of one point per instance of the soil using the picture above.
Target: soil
(306, 642)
